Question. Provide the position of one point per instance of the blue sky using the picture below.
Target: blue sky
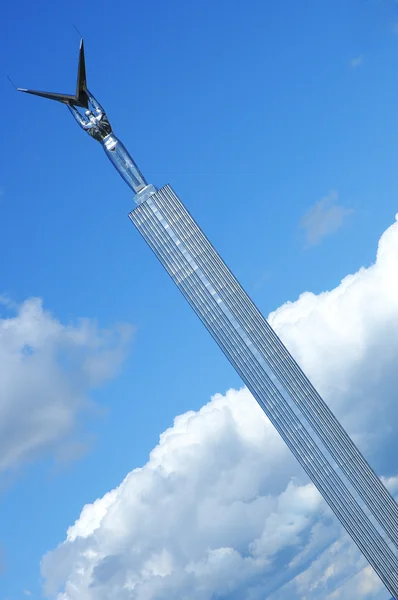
(275, 122)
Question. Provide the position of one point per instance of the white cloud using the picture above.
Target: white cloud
(324, 218)
(344, 339)
(356, 62)
(46, 371)
(222, 509)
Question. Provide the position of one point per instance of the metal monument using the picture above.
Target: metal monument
(96, 123)
(314, 435)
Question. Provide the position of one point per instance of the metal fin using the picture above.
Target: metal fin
(65, 98)
(81, 84)
(81, 98)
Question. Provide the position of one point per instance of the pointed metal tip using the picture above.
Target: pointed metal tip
(11, 81)
(74, 26)
(21, 89)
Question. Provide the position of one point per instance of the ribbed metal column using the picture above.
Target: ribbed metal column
(212, 292)
(352, 463)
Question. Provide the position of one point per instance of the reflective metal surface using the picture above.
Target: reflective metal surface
(122, 161)
(96, 123)
(316, 412)
(329, 457)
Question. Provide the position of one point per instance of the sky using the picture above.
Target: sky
(132, 458)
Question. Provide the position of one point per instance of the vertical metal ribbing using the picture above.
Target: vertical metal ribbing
(189, 236)
(177, 273)
(171, 246)
(197, 293)
(381, 504)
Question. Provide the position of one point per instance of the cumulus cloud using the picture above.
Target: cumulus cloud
(345, 340)
(222, 509)
(324, 218)
(46, 371)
